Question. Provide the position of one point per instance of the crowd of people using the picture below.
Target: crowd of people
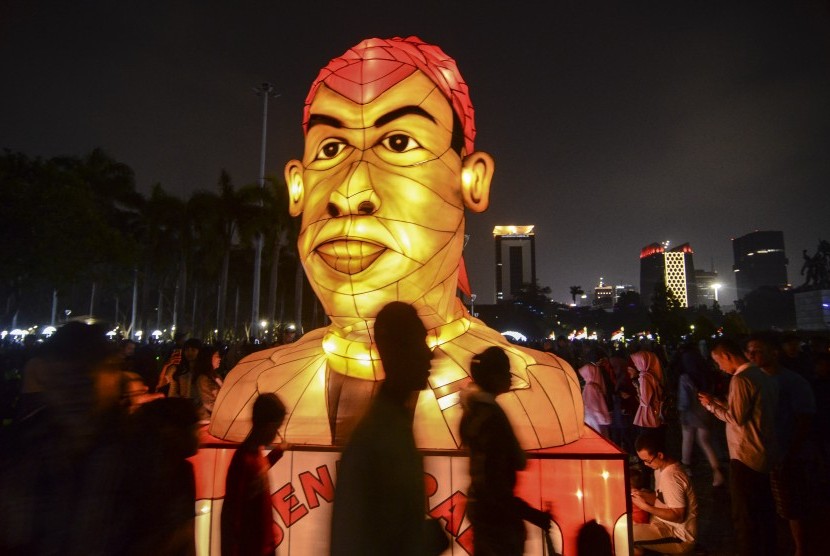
(117, 423)
(771, 392)
(96, 438)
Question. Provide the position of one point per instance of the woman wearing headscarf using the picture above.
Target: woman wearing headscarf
(597, 414)
(649, 415)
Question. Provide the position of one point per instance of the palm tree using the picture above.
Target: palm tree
(228, 218)
(277, 233)
(576, 290)
(158, 227)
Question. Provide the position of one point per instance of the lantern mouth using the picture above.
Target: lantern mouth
(349, 256)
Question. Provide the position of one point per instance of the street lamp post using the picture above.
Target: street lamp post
(265, 90)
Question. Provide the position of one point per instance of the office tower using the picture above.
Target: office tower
(759, 261)
(672, 267)
(707, 286)
(515, 260)
(604, 296)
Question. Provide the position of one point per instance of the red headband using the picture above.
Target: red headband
(372, 67)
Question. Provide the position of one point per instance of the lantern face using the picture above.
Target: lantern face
(387, 173)
(383, 214)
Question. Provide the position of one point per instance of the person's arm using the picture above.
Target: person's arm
(276, 454)
(738, 408)
(640, 499)
(173, 392)
(169, 368)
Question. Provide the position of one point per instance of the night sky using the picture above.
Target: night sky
(613, 124)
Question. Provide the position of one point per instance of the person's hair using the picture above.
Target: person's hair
(651, 442)
(387, 62)
(728, 346)
(192, 343)
(204, 362)
(767, 337)
(593, 540)
(596, 354)
(486, 366)
(268, 408)
(79, 343)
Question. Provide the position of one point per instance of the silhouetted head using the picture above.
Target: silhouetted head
(490, 369)
(267, 417)
(593, 540)
(173, 422)
(400, 337)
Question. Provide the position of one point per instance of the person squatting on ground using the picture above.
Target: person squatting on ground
(672, 527)
(497, 516)
(247, 522)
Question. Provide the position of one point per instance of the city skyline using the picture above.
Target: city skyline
(611, 125)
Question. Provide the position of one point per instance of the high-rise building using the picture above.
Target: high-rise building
(604, 296)
(759, 261)
(515, 260)
(672, 267)
(707, 286)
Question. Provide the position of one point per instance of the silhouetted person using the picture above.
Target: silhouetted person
(792, 477)
(593, 540)
(247, 521)
(62, 464)
(379, 504)
(625, 401)
(496, 514)
(164, 435)
(181, 372)
(696, 375)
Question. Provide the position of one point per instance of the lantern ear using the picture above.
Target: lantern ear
(476, 174)
(296, 189)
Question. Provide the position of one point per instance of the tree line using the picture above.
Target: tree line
(79, 240)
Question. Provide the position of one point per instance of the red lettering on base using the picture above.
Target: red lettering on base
(279, 536)
(287, 505)
(451, 510)
(465, 540)
(312, 486)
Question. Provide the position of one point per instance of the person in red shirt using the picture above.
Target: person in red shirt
(247, 521)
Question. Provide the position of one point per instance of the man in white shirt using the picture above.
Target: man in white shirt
(672, 527)
(749, 413)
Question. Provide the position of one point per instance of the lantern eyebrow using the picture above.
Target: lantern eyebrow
(401, 112)
(322, 119)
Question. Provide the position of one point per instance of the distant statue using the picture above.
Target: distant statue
(816, 268)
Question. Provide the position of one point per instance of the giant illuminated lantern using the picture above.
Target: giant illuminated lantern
(388, 169)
